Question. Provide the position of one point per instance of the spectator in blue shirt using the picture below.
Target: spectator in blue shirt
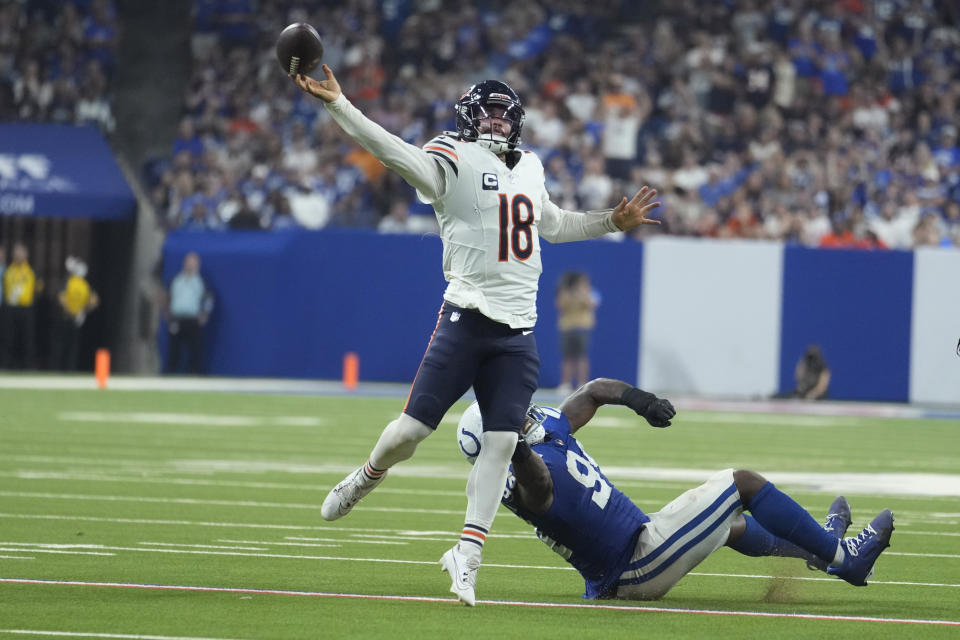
(188, 140)
(804, 51)
(100, 34)
(189, 305)
(834, 65)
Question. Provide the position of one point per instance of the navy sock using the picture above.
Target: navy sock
(757, 541)
(780, 515)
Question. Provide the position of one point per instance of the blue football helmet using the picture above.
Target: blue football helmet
(471, 108)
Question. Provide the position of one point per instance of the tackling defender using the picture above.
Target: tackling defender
(622, 552)
(492, 206)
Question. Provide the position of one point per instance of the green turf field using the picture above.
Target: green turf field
(109, 498)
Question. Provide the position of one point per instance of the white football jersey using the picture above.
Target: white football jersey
(489, 216)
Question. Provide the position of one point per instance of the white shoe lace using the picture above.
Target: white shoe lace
(853, 544)
(350, 490)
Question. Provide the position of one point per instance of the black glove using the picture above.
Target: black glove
(657, 411)
(660, 412)
(521, 452)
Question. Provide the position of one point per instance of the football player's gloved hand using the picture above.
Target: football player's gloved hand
(657, 411)
(660, 412)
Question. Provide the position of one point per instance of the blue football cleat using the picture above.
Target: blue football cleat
(839, 518)
(862, 551)
(837, 521)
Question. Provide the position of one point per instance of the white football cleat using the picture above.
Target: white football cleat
(463, 571)
(345, 495)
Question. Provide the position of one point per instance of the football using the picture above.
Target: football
(299, 48)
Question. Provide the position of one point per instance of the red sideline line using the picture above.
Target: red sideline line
(512, 603)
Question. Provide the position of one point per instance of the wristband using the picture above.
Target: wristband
(637, 399)
(522, 452)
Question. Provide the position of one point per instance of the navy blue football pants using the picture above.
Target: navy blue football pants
(467, 348)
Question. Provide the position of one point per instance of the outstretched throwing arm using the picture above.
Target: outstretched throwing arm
(418, 168)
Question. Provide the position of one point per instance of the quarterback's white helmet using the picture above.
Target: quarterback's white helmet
(470, 430)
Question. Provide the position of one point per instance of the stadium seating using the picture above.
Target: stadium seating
(821, 124)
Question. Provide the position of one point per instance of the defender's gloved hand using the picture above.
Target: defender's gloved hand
(657, 411)
(660, 412)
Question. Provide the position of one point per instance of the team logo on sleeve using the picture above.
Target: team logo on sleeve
(490, 182)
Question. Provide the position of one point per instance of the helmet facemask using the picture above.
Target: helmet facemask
(533, 431)
(473, 107)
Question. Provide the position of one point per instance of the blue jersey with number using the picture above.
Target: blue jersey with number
(590, 523)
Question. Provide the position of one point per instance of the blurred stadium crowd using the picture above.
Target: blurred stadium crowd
(56, 60)
(827, 123)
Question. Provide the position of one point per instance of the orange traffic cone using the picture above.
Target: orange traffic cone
(351, 370)
(101, 367)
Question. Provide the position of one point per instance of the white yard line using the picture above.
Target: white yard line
(512, 603)
(203, 546)
(192, 551)
(220, 503)
(400, 390)
(457, 471)
(328, 528)
(28, 548)
(750, 576)
(152, 499)
(90, 634)
(205, 384)
(380, 536)
(879, 484)
(908, 532)
(298, 527)
(388, 537)
(951, 556)
(177, 523)
(335, 388)
(160, 479)
(323, 542)
(777, 419)
(36, 474)
(191, 419)
(919, 484)
(630, 422)
(894, 484)
(649, 505)
(132, 479)
(281, 556)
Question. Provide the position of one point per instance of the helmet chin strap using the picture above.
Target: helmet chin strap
(496, 144)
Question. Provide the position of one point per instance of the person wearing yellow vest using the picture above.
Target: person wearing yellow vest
(19, 285)
(3, 269)
(76, 300)
(3, 310)
(576, 316)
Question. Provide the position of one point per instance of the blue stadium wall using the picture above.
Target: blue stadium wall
(677, 315)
